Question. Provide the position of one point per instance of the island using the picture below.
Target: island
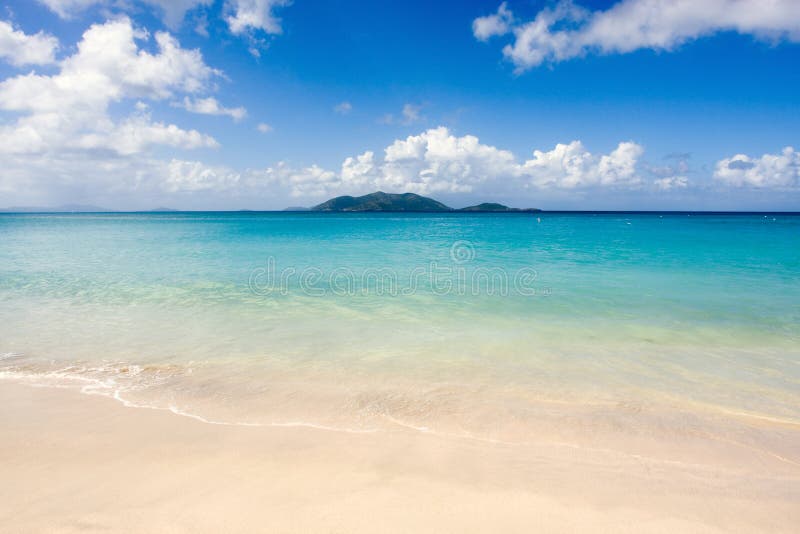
(410, 202)
(493, 207)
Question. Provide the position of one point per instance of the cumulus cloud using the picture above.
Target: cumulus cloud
(780, 171)
(247, 15)
(69, 109)
(281, 179)
(492, 25)
(436, 161)
(192, 176)
(671, 176)
(313, 181)
(567, 30)
(19, 48)
(137, 133)
(669, 183)
(432, 162)
(263, 127)
(210, 106)
(171, 11)
(62, 140)
(571, 166)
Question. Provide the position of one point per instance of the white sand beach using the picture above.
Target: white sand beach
(78, 463)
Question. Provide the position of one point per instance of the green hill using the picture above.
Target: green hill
(493, 207)
(381, 201)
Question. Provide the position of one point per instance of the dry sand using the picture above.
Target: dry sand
(77, 463)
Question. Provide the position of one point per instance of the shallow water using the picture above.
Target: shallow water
(506, 328)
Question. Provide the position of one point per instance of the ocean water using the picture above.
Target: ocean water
(507, 328)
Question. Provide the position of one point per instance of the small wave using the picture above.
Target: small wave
(107, 385)
(762, 417)
(288, 424)
(127, 383)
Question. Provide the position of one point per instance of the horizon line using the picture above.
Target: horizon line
(438, 212)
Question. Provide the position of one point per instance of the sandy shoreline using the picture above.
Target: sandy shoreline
(77, 463)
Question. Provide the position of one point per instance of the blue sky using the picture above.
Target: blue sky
(696, 111)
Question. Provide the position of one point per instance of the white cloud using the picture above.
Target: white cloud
(109, 66)
(436, 161)
(247, 15)
(19, 48)
(137, 133)
(192, 176)
(210, 106)
(343, 108)
(68, 8)
(780, 171)
(671, 176)
(360, 171)
(248, 18)
(430, 163)
(280, 179)
(492, 25)
(263, 127)
(313, 181)
(566, 30)
(63, 141)
(669, 183)
(572, 166)
(171, 11)
(69, 110)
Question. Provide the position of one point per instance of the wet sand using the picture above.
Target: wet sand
(79, 463)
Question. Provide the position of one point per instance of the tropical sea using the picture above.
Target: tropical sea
(618, 331)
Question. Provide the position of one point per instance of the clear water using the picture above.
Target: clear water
(547, 324)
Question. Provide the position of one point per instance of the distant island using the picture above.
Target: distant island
(493, 207)
(66, 208)
(77, 208)
(380, 201)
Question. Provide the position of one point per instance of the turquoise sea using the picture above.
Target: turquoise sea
(506, 328)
